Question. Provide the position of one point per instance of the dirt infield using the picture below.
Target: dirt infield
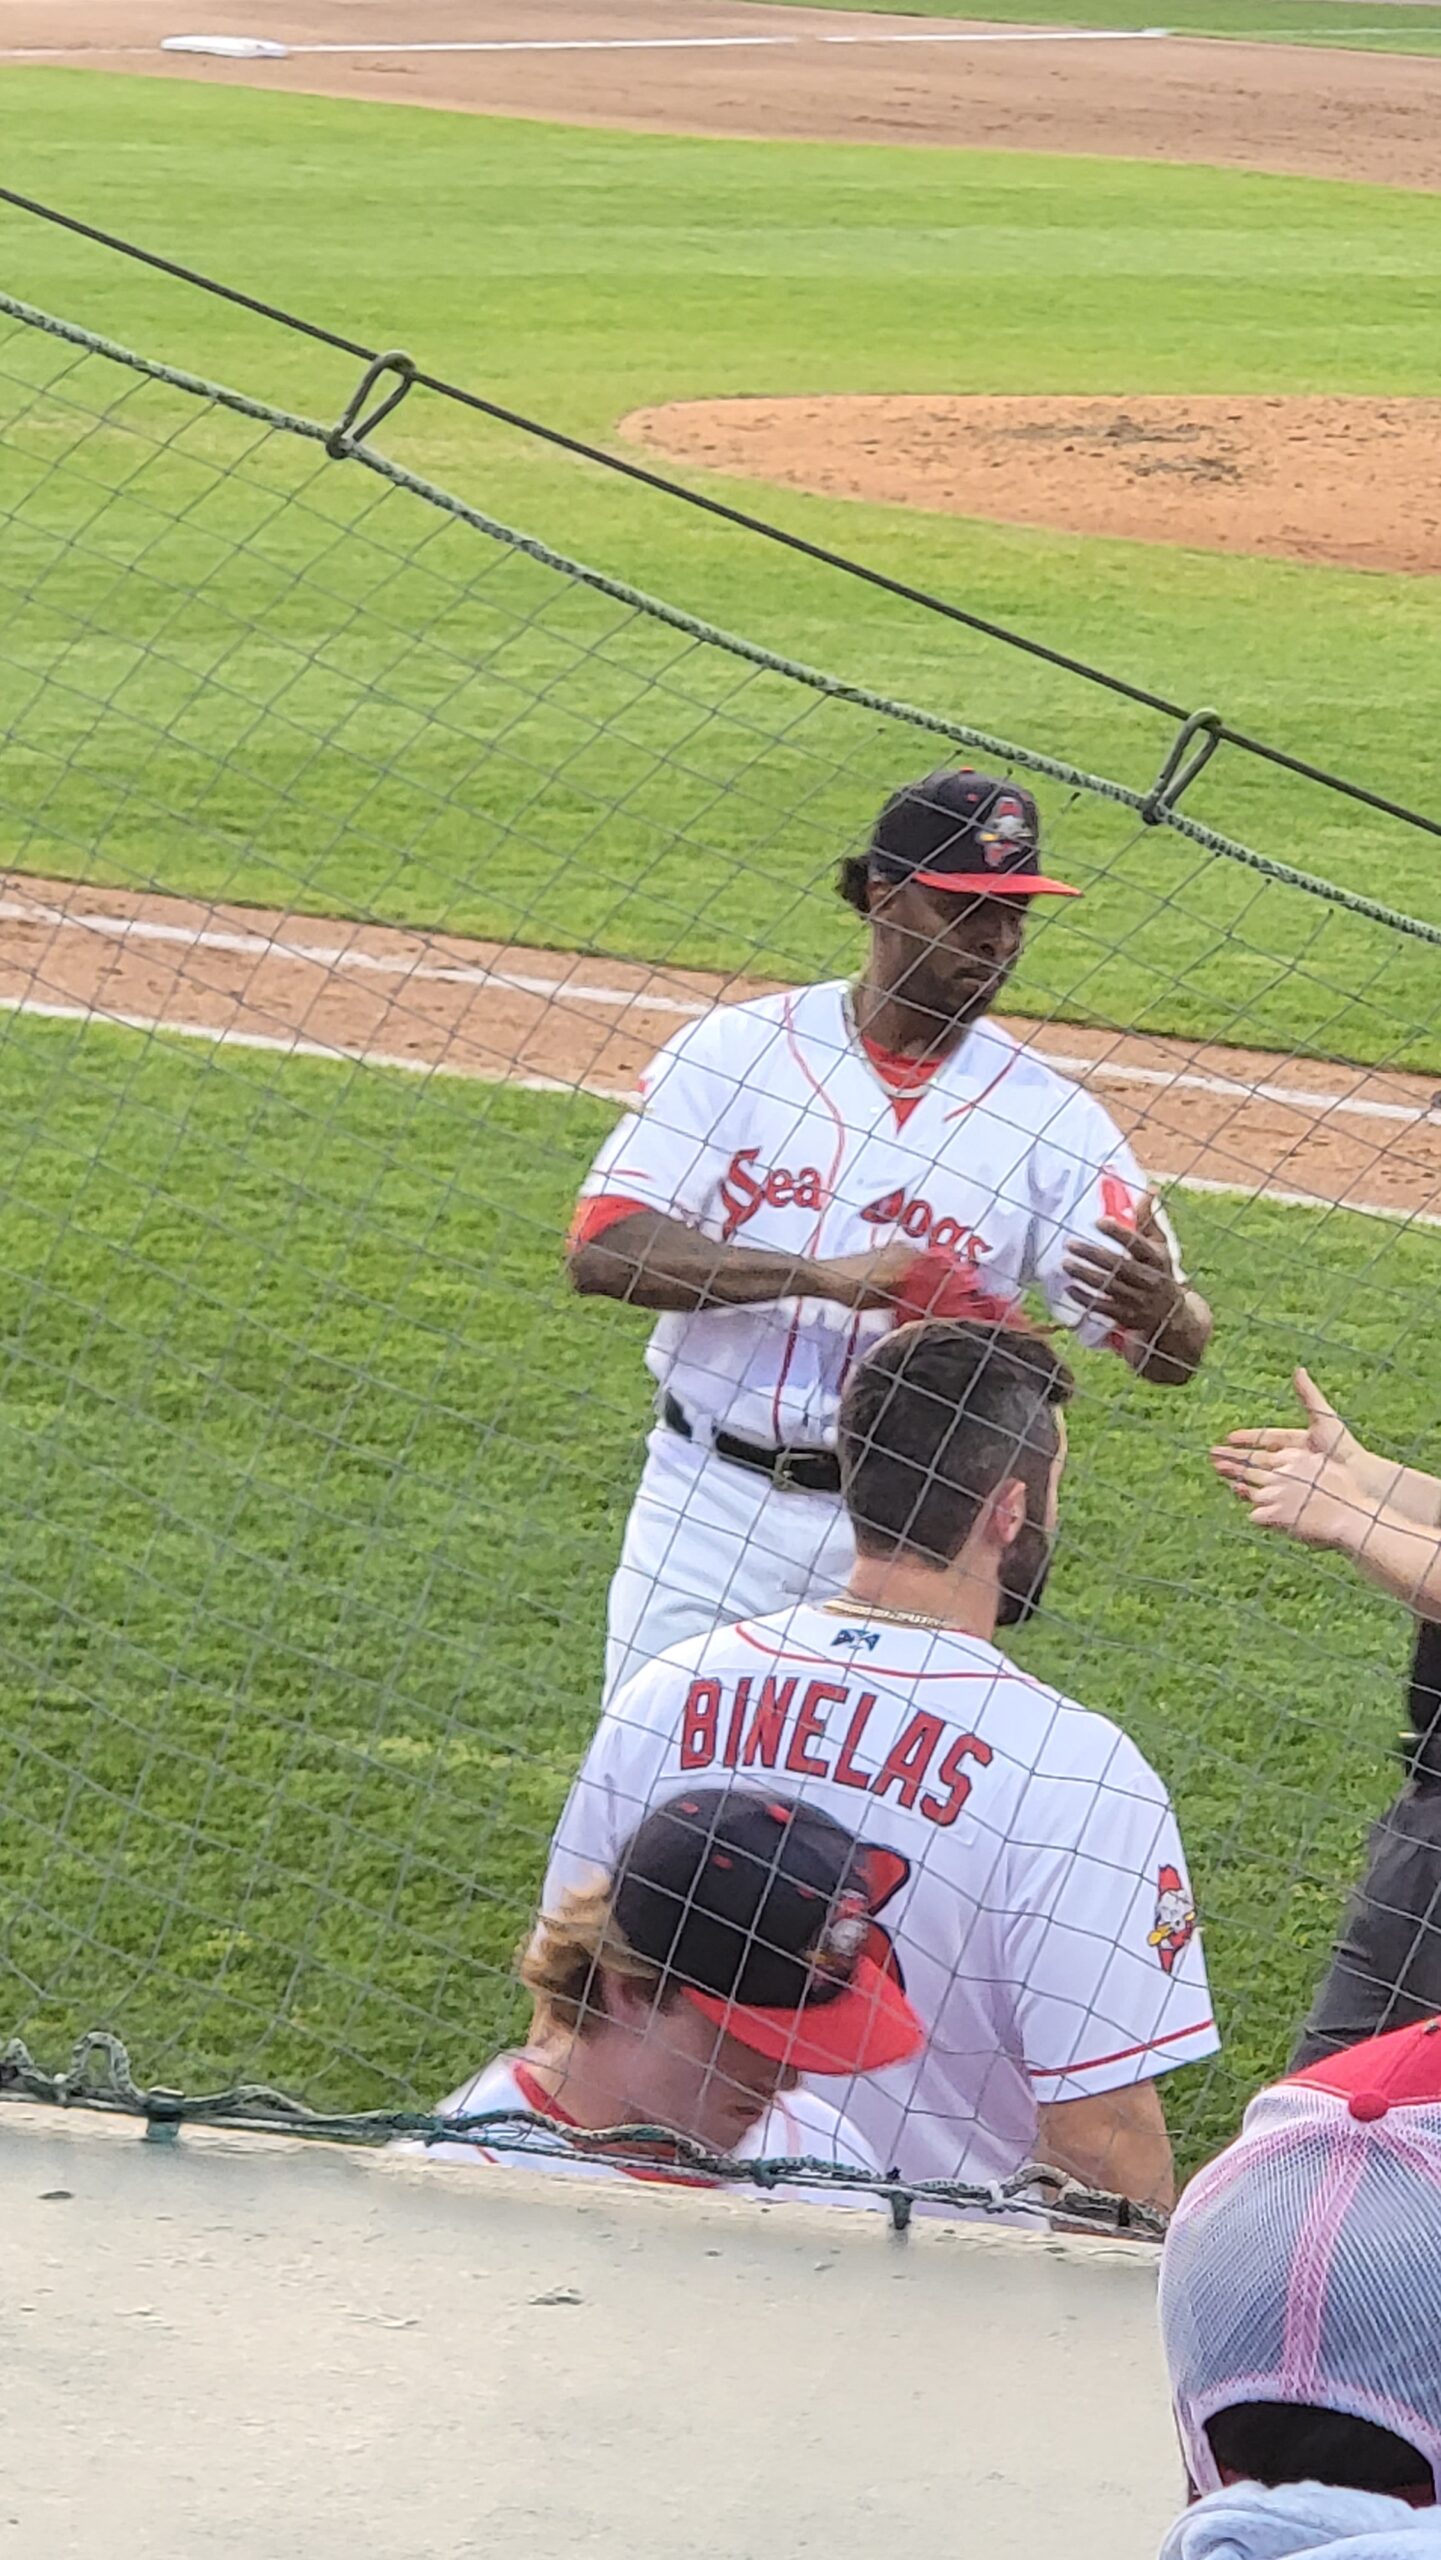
(1348, 481)
(435, 1002)
(717, 67)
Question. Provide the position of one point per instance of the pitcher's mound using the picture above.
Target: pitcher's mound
(1349, 480)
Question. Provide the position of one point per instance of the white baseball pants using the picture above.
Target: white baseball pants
(708, 1542)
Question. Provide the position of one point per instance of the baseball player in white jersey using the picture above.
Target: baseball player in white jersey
(1024, 1872)
(792, 1160)
(721, 1953)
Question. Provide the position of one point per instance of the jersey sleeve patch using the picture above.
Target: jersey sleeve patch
(1175, 1921)
(1105, 1947)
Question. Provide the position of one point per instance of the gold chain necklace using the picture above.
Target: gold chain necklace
(895, 1617)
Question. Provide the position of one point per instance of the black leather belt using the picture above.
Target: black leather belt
(790, 1470)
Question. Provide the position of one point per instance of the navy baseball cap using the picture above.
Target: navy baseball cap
(963, 831)
(757, 1908)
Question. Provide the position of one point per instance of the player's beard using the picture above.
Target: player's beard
(950, 1000)
(1024, 1567)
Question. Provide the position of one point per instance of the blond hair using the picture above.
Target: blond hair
(567, 1948)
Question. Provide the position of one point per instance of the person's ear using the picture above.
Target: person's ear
(620, 1997)
(1008, 1511)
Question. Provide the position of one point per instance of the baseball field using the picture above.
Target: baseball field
(313, 1473)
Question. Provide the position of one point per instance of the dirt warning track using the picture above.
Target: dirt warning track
(1200, 1115)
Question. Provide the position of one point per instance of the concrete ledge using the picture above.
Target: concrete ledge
(244, 2345)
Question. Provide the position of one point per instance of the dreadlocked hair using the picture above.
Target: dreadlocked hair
(853, 882)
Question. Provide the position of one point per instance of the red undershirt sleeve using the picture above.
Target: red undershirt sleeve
(592, 1217)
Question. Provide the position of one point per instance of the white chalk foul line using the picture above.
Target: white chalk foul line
(257, 48)
(1004, 35)
(295, 1045)
(328, 956)
(529, 44)
(1169, 1079)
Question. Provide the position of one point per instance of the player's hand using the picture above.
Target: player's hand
(1313, 1499)
(1311, 1484)
(1135, 1287)
(1323, 1433)
(864, 1280)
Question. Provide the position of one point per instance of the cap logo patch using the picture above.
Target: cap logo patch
(1006, 829)
(839, 1948)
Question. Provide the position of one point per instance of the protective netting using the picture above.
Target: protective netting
(314, 1472)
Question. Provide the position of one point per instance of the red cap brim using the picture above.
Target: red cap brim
(996, 884)
(870, 2026)
(1399, 2069)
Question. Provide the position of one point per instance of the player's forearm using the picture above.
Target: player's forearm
(1171, 1357)
(1399, 1556)
(1117, 2143)
(659, 1263)
(1407, 1491)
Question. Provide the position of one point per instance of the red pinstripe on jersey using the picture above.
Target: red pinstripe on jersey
(818, 1089)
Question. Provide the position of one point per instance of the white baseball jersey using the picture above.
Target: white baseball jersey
(768, 1124)
(796, 2126)
(1023, 1863)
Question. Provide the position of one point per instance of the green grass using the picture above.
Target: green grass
(1353, 24)
(313, 1477)
(582, 274)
